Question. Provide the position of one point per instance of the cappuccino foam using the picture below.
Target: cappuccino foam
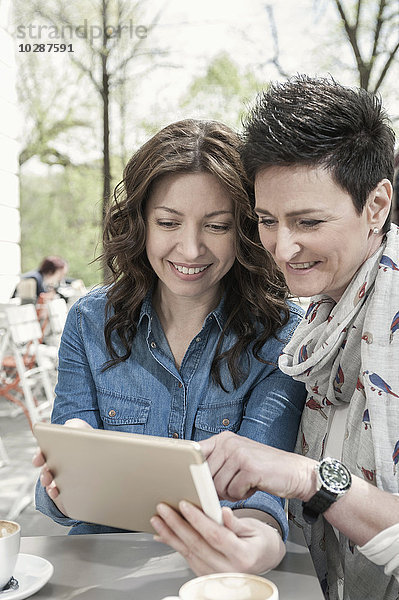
(7, 528)
(236, 589)
(234, 586)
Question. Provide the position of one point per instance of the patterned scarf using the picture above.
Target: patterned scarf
(348, 352)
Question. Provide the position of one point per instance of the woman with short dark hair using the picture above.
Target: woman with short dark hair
(321, 158)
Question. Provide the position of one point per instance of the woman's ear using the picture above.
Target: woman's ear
(379, 204)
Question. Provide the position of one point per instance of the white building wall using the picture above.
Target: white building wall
(10, 255)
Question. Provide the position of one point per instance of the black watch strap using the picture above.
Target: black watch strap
(317, 505)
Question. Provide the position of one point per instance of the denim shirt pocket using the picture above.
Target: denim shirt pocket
(215, 418)
(123, 413)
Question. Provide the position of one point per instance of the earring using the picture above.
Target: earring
(376, 230)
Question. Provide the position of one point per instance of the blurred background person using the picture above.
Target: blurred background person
(43, 281)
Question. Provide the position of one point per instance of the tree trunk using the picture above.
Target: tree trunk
(106, 157)
(105, 98)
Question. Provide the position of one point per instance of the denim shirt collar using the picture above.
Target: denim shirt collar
(218, 313)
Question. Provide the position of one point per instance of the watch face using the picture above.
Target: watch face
(334, 475)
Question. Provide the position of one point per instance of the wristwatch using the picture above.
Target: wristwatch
(333, 481)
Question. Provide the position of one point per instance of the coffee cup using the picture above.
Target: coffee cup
(10, 535)
(231, 586)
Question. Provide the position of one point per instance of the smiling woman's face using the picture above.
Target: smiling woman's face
(310, 226)
(190, 234)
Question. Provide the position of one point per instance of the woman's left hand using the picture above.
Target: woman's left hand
(241, 544)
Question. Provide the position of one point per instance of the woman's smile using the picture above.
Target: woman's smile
(188, 272)
(303, 266)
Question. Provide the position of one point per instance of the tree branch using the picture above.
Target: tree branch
(68, 23)
(122, 80)
(87, 71)
(275, 60)
(377, 32)
(139, 43)
(351, 32)
(358, 11)
(386, 67)
(134, 53)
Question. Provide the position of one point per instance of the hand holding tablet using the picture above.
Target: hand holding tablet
(117, 478)
(46, 476)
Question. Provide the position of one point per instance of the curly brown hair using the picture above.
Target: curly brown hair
(255, 290)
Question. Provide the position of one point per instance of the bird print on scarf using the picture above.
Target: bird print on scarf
(394, 326)
(388, 263)
(395, 456)
(379, 383)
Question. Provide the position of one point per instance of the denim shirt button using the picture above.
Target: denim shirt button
(112, 413)
(198, 339)
(226, 422)
(153, 345)
(175, 435)
(180, 384)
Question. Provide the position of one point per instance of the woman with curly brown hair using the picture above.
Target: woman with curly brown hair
(184, 340)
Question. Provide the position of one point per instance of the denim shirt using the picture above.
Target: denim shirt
(148, 394)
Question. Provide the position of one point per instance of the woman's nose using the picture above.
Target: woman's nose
(191, 245)
(286, 245)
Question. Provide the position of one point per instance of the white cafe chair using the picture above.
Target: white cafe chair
(32, 369)
(8, 409)
(4, 460)
(57, 314)
(26, 290)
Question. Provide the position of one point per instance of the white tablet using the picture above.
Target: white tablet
(115, 478)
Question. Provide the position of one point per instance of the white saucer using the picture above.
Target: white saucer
(32, 573)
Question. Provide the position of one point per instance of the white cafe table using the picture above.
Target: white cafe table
(132, 566)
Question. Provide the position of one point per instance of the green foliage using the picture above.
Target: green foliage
(61, 214)
(223, 92)
(54, 117)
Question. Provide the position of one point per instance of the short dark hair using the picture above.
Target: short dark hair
(317, 122)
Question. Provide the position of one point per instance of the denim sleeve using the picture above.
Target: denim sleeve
(272, 416)
(75, 391)
(48, 508)
(75, 397)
